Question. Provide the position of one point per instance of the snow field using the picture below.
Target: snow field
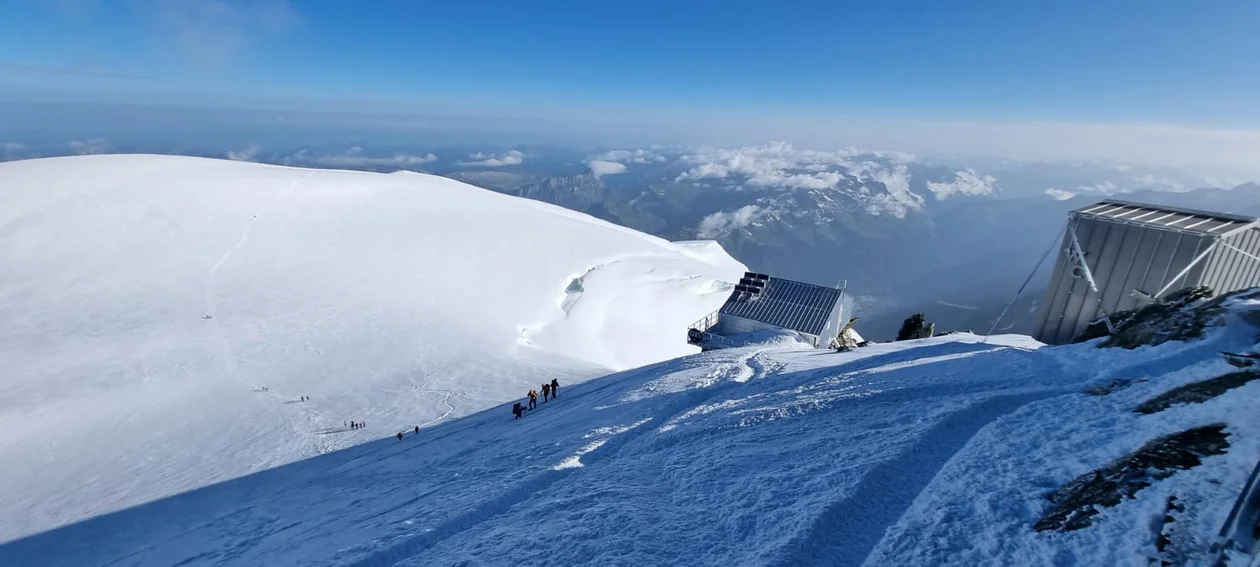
(149, 300)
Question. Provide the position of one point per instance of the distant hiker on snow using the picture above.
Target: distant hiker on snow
(533, 399)
(400, 436)
(555, 388)
(417, 430)
(546, 392)
(517, 410)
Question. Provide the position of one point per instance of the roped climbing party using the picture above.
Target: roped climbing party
(550, 391)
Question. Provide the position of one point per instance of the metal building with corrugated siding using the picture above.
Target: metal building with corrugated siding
(1118, 255)
(760, 302)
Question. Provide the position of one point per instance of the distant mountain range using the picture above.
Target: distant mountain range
(905, 235)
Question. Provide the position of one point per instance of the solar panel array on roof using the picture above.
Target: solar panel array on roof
(1170, 218)
(784, 303)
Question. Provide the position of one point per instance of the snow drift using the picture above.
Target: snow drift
(165, 316)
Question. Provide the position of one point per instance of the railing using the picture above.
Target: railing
(711, 341)
(706, 323)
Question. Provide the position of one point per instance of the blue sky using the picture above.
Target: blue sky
(1183, 64)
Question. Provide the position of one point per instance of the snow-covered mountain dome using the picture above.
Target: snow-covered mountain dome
(166, 318)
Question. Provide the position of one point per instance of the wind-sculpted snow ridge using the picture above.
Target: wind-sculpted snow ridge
(172, 322)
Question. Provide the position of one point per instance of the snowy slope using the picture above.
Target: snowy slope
(929, 452)
(398, 300)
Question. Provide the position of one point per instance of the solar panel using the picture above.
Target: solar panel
(785, 303)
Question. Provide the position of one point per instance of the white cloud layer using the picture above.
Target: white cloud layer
(777, 164)
(512, 157)
(631, 156)
(724, 222)
(781, 165)
(601, 167)
(357, 157)
(966, 182)
(246, 154)
(1059, 194)
(85, 147)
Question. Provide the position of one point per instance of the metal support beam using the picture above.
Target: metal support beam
(1187, 269)
(1079, 256)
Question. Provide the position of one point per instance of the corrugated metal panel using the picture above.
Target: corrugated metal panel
(785, 303)
(1191, 247)
(1062, 286)
(732, 325)
(838, 318)
(1114, 292)
(1171, 218)
(1231, 270)
(1161, 263)
(1251, 275)
(1087, 231)
(1103, 267)
(1139, 263)
(1052, 303)
(1132, 246)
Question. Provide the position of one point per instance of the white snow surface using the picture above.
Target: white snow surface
(930, 452)
(397, 300)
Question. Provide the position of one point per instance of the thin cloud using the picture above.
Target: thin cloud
(31, 69)
(722, 223)
(631, 156)
(246, 154)
(357, 157)
(87, 147)
(217, 32)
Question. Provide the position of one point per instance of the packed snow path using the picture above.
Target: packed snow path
(742, 456)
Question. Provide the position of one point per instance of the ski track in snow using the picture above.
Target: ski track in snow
(314, 424)
(846, 531)
(229, 359)
(412, 546)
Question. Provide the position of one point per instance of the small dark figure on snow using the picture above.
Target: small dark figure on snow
(400, 436)
(546, 392)
(555, 388)
(417, 430)
(517, 410)
(533, 399)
